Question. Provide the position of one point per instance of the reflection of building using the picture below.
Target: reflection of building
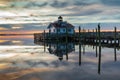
(61, 49)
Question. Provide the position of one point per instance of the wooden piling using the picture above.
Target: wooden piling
(83, 48)
(79, 36)
(96, 51)
(93, 45)
(119, 39)
(99, 59)
(66, 52)
(96, 42)
(66, 43)
(115, 55)
(93, 32)
(115, 34)
(93, 37)
(96, 35)
(44, 41)
(79, 45)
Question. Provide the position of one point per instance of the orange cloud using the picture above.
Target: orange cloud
(2, 28)
(15, 27)
(2, 41)
(4, 2)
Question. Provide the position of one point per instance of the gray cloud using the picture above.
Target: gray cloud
(52, 3)
(65, 3)
(35, 4)
(5, 26)
(111, 2)
(27, 4)
(81, 3)
(67, 8)
(90, 12)
(58, 4)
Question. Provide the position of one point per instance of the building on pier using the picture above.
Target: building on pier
(61, 27)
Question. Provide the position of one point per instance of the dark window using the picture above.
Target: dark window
(54, 30)
(63, 30)
(69, 30)
(58, 30)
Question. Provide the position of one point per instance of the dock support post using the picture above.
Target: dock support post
(79, 36)
(66, 43)
(93, 36)
(119, 39)
(115, 30)
(44, 42)
(83, 48)
(115, 34)
(96, 42)
(99, 59)
(96, 51)
(96, 36)
(66, 52)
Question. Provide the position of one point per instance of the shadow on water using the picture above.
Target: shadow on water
(60, 50)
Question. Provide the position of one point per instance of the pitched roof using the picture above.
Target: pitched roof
(60, 25)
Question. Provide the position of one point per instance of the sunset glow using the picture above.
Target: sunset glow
(59, 39)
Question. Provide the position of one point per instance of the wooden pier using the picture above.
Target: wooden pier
(96, 36)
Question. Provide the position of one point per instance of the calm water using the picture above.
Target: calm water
(21, 59)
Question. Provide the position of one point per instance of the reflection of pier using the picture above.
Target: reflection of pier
(61, 49)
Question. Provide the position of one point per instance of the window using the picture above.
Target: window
(54, 30)
(63, 30)
(69, 30)
(58, 30)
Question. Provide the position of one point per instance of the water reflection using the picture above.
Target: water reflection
(61, 49)
(29, 61)
(16, 40)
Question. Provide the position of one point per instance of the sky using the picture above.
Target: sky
(45, 11)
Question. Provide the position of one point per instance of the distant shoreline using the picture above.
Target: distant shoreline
(13, 34)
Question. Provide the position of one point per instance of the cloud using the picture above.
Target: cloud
(85, 12)
(61, 7)
(81, 3)
(75, 7)
(7, 26)
(51, 3)
(111, 2)
(91, 9)
(35, 4)
(16, 26)
(3, 28)
(21, 27)
(58, 4)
